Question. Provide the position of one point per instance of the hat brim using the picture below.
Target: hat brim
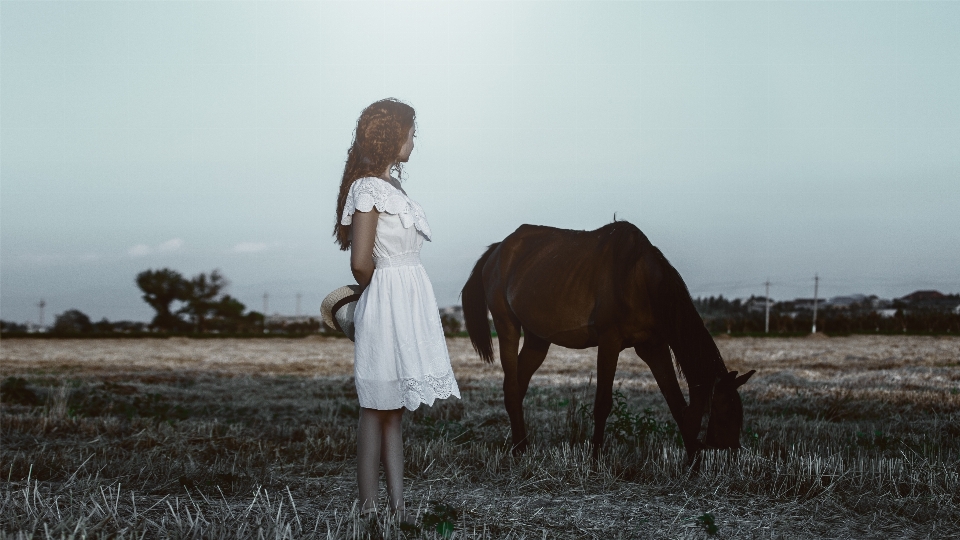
(336, 300)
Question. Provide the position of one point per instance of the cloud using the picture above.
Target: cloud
(170, 245)
(249, 247)
(140, 250)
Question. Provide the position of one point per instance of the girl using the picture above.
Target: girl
(400, 358)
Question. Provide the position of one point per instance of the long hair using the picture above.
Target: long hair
(381, 131)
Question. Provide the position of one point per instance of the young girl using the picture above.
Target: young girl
(400, 359)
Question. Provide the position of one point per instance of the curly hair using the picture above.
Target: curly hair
(381, 131)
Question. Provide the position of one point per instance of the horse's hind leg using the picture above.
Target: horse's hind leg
(608, 353)
(531, 357)
(508, 334)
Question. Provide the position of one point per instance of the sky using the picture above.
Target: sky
(750, 141)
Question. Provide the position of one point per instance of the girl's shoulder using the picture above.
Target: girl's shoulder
(371, 192)
(371, 184)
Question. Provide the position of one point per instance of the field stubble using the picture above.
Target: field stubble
(844, 437)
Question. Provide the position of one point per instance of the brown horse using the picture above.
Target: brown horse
(611, 289)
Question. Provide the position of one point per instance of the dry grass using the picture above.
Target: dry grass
(847, 438)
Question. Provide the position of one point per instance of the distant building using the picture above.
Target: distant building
(923, 296)
(845, 302)
(35, 328)
(929, 300)
(805, 304)
(284, 320)
(757, 304)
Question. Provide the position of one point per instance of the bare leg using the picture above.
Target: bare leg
(391, 454)
(368, 458)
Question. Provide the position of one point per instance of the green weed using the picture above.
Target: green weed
(632, 427)
(707, 523)
(442, 518)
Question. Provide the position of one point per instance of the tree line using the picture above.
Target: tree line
(195, 305)
(735, 316)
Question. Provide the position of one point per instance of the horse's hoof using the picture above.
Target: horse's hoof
(693, 463)
(596, 451)
(520, 448)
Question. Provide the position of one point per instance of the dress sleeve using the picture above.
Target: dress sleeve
(364, 195)
(368, 193)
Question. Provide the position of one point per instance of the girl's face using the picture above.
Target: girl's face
(406, 148)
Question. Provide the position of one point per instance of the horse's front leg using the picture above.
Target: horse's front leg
(700, 395)
(657, 356)
(508, 334)
(608, 352)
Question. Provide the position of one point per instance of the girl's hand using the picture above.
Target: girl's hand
(361, 245)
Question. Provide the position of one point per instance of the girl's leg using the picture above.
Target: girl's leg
(368, 458)
(391, 454)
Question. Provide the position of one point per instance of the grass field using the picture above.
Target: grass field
(850, 437)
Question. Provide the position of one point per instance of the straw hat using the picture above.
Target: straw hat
(337, 308)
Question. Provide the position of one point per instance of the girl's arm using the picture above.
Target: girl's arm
(361, 246)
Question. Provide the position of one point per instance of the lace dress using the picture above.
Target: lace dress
(400, 357)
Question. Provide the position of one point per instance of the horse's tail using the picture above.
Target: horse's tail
(696, 352)
(475, 309)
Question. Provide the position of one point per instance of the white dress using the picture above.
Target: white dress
(400, 357)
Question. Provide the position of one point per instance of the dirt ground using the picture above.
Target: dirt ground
(839, 360)
(845, 437)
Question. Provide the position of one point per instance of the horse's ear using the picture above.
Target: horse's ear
(727, 380)
(743, 378)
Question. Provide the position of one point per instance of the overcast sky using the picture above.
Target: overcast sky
(748, 140)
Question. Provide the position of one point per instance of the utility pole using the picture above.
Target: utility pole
(816, 284)
(41, 305)
(298, 303)
(766, 322)
(266, 306)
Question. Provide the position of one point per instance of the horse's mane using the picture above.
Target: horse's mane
(680, 325)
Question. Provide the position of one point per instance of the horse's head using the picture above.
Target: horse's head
(726, 412)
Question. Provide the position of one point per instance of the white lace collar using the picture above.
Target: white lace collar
(367, 193)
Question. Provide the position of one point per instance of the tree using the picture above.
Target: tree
(104, 326)
(201, 297)
(160, 289)
(8, 326)
(450, 323)
(72, 321)
(228, 307)
(227, 314)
